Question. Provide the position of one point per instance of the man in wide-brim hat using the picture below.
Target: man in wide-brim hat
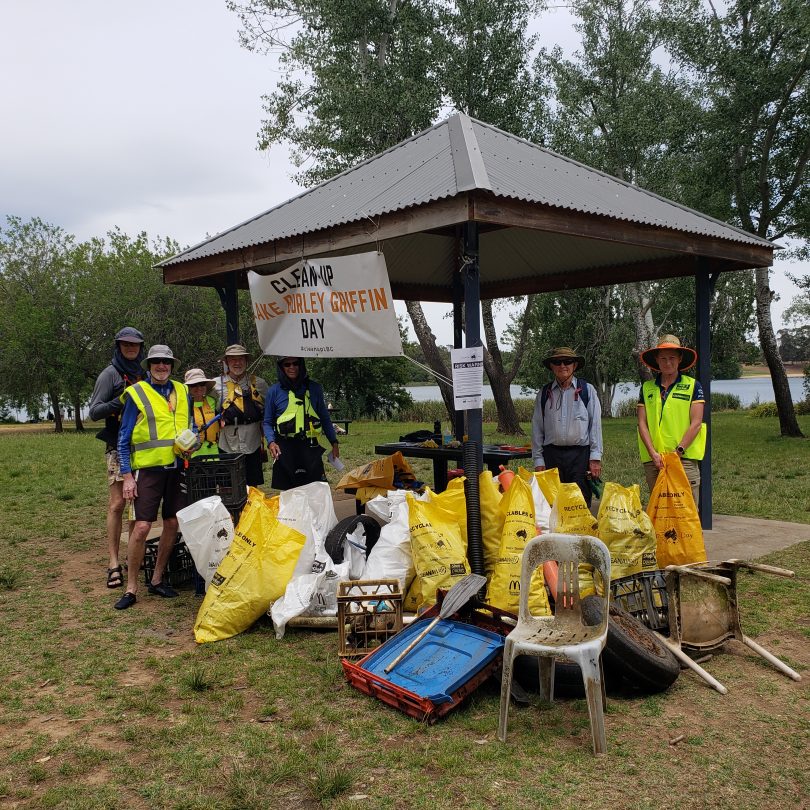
(567, 423)
(241, 402)
(670, 412)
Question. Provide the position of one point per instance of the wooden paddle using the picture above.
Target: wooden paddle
(456, 598)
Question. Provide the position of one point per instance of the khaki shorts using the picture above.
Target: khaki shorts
(113, 467)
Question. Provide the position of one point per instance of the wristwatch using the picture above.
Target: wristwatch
(680, 450)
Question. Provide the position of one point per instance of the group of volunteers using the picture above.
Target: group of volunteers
(567, 420)
(145, 411)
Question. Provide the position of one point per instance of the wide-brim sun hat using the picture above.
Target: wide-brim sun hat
(196, 376)
(688, 356)
(160, 352)
(563, 353)
(236, 350)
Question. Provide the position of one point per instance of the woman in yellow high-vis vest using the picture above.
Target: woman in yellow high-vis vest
(670, 412)
(205, 411)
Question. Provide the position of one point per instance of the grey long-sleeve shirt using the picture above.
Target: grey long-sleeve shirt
(567, 421)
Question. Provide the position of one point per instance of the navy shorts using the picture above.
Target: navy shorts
(156, 485)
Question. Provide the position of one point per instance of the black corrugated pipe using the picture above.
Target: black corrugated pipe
(472, 471)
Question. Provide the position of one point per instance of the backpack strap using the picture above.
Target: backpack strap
(584, 394)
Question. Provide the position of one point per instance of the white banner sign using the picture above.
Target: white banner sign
(468, 370)
(339, 307)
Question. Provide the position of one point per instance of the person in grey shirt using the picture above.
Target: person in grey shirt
(105, 403)
(241, 403)
(567, 423)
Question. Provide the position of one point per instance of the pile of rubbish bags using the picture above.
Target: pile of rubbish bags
(276, 559)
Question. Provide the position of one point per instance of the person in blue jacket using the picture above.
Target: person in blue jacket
(295, 416)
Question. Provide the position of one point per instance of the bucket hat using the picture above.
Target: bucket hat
(236, 350)
(563, 353)
(688, 356)
(196, 376)
(161, 352)
(130, 334)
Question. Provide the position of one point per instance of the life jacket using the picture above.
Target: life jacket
(299, 420)
(240, 409)
(159, 422)
(204, 412)
(668, 421)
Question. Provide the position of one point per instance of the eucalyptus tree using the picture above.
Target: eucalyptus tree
(753, 62)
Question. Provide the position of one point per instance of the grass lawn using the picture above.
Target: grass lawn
(101, 709)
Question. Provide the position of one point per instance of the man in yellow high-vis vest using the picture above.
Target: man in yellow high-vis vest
(156, 411)
(670, 412)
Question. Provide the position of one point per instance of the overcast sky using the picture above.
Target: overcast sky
(143, 115)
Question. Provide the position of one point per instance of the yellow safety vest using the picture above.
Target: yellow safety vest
(669, 422)
(238, 402)
(159, 422)
(300, 419)
(203, 413)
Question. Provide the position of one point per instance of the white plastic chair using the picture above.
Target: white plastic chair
(563, 635)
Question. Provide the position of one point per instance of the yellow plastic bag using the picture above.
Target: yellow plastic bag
(254, 573)
(570, 515)
(626, 529)
(377, 473)
(439, 555)
(517, 507)
(492, 519)
(549, 481)
(453, 500)
(675, 517)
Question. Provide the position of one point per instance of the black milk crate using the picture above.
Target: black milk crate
(222, 475)
(180, 569)
(644, 595)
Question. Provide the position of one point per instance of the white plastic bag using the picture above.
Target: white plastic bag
(310, 510)
(207, 529)
(391, 557)
(354, 550)
(542, 508)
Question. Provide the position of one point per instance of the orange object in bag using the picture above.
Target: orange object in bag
(674, 514)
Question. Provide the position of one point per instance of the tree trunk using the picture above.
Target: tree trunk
(57, 413)
(788, 424)
(499, 380)
(77, 409)
(427, 340)
(645, 328)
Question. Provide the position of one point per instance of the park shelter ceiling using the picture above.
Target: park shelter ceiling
(545, 222)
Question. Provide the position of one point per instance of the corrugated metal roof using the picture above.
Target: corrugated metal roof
(458, 155)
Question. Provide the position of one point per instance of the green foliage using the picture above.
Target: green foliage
(794, 344)
(725, 402)
(432, 410)
(373, 387)
(763, 410)
(627, 407)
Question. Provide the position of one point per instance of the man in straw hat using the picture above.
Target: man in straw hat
(156, 411)
(205, 411)
(670, 412)
(567, 423)
(241, 402)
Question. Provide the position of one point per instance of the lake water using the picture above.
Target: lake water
(748, 389)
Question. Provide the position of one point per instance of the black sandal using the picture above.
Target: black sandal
(115, 577)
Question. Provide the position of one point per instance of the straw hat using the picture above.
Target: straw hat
(563, 353)
(196, 376)
(160, 352)
(688, 356)
(236, 350)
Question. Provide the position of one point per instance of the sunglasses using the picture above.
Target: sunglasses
(155, 361)
(562, 362)
(293, 364)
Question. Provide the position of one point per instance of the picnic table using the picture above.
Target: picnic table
(494, 456)
(338, 420)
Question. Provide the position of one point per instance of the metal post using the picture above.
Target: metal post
(458, 336)
(230, 303)
(472, 321)
(704, 290)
